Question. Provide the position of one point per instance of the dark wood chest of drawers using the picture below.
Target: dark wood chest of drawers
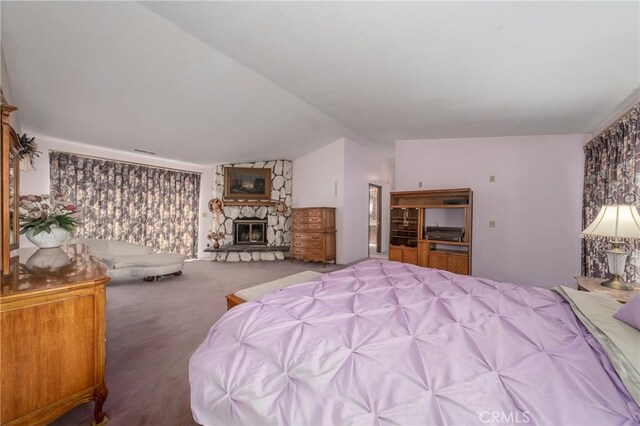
(313, 234)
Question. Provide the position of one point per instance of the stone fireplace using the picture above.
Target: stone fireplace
(251, 231)
(244, 239)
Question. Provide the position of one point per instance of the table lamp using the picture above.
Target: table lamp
(615, 223)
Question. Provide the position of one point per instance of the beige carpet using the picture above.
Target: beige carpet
(152, 330)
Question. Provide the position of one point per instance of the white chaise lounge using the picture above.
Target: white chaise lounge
(128, 260)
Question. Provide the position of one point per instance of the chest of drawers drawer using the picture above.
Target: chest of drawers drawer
(307, 236)
(304, 226)
(307, 244)
(298, 214)
(307, 253)
(298, 226)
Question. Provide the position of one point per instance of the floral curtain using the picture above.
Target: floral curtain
(611, 176)
(140, 204)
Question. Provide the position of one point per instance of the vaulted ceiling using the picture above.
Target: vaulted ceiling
(210, 82)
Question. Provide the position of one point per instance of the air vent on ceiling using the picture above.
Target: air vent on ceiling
(143, 151)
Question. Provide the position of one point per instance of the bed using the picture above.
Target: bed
(390, 343)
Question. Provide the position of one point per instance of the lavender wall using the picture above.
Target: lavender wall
(535, 200)
(318, 181)
(338, 175)
(362, 167)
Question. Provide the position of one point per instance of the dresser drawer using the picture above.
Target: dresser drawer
(298, 214)
(307, 253)
(314, 219)
(314, 212)
(298, 226)
(307, 236)
(307, 244)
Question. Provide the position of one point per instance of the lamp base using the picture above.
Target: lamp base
(617, 284)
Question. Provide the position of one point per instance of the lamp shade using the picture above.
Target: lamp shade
(616, 221)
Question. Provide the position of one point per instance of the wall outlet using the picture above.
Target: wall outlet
(204, 214)
(492, 224)
(492, 178)
(420, 184)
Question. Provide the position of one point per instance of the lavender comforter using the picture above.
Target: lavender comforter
(390, 343)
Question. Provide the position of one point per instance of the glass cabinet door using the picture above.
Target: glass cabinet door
(14, 174)
(404, 227)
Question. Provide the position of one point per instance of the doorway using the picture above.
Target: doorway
(375, 219)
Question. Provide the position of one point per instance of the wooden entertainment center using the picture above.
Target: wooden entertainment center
(417, 237)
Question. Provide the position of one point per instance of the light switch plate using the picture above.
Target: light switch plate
(492, 178)
(492, 224)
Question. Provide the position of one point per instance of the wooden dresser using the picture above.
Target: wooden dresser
(313, 234)
(52, 335)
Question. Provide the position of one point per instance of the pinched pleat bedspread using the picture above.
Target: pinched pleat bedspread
(390, 343)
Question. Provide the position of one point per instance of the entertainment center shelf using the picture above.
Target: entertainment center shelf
(432, 228)
(431, 206)
(449, 243)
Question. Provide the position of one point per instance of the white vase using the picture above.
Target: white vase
(48, 239)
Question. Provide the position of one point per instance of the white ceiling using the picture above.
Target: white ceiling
(209, 82)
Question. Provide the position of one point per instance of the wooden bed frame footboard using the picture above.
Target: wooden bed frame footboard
(233, 300)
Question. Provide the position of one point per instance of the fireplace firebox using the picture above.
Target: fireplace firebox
(250, 231)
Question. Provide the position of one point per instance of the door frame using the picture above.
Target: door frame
(379, 233)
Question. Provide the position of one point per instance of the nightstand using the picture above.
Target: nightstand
(593, 285)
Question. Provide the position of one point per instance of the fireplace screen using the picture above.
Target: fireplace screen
(250, 231)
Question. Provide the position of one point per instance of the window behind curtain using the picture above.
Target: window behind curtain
(140, 204)
(612, 176)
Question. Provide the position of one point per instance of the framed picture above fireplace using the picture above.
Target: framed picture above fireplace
(242, 183)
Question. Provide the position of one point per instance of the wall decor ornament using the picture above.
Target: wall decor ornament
(281, 208)
(216, 206)
(27, 152)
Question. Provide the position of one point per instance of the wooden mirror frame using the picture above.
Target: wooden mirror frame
(8, 160)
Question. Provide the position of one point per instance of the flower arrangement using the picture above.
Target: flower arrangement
(215, 236)
(40, 213)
